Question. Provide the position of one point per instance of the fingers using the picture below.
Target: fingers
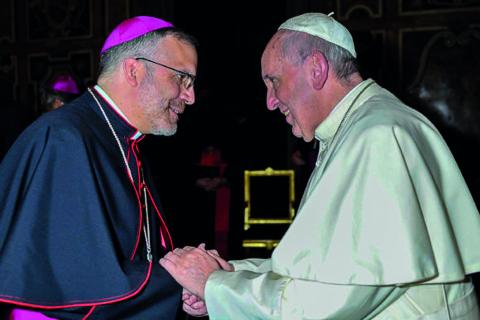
(190, 255)
(196, 312)
(193, 305)
(201, 246)
(213, 252)
(191, 300)
(200, 304)
(222, 263)
(167, 264)
(181, 251)
(177, 258)
(186, 295)
(168, 261)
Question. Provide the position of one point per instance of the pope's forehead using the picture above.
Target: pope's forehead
(276, 41)
(271, 64)
(273, 50)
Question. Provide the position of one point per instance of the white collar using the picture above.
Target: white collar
(117, 109)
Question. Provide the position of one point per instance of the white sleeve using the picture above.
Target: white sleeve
(250, 295)
(253, 264)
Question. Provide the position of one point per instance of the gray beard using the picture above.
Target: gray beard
(164, 132)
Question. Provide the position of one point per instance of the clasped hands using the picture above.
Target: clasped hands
(191, 267)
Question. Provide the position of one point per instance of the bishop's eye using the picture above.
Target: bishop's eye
(180, 77)
(185, 80)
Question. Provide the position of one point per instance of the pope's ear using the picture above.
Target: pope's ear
(133, 70)
(319, 69)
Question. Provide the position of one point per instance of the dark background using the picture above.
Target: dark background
(425, 51)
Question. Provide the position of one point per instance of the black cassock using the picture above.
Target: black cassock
(71, 220)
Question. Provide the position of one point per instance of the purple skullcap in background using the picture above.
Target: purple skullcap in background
(133, 28)
(65, 83)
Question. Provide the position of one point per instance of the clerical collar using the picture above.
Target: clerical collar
(117, 110)
(327, 129)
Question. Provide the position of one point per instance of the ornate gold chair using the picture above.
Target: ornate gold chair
(269, 206)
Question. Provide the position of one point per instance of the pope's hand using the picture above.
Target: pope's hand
(191, 267)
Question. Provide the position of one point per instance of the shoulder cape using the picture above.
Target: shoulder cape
(69, 216)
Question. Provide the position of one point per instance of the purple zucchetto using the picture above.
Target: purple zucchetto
(64, 84)
(133, 28)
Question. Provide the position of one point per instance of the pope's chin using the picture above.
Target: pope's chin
(296, 131)
(301, 135)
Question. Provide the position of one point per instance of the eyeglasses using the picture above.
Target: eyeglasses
(186, 79)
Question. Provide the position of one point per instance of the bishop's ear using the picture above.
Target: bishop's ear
(319, 69)
(132, 70)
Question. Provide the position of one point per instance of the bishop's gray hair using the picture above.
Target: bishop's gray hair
(143, 46)
(297, 46)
